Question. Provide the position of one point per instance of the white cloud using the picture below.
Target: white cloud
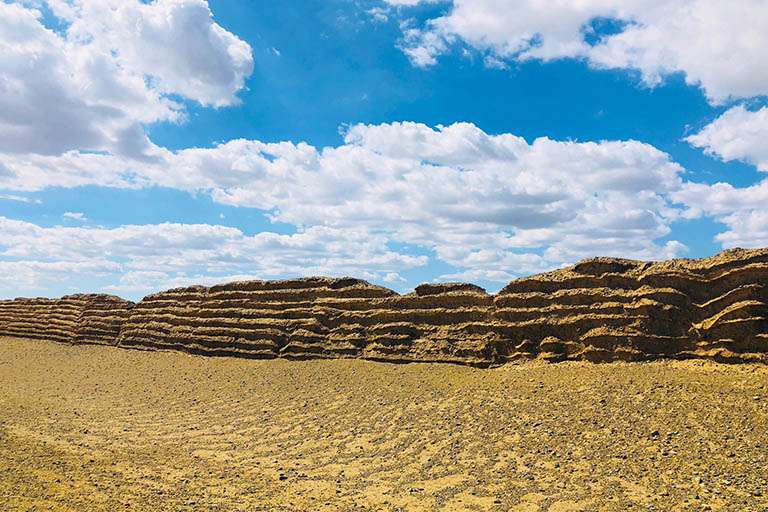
(490, 203)
(738, 134)
(142, 281)
(472, 276)
(175, 43)
(410, 3)
(743, 210)
(73, 105)
(490, 206)
(157, 256)
(20, 199)
(423, 47)
(75, 216)
(747, 228)
(720, 198)
(379, 14)
(476, 200)
(721, 46)
(29, 275)
(111, 71)
(394, 277)
(32, 172)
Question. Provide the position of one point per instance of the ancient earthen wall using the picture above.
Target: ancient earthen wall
(315, 317)
(602, 309)
(101, 319)
(82, 318)
(249, 319)
(607, 309)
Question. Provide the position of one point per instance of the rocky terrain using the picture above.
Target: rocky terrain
(602, 309)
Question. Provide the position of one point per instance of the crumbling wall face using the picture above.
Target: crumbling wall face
(607, 309)
(602, 309)
(82, 318)
(317, 317)
(101, 319)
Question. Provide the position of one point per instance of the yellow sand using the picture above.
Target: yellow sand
(98, 428)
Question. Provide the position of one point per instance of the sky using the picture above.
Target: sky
(146, 145)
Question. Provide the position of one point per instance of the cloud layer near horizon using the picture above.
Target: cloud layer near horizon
(158, 256)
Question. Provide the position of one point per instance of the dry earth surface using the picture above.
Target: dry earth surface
(97, 428)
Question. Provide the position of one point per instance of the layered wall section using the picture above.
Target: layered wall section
(251, 318)
(101, 319)
(81, 318)
(447, 322)
(317, 317)
(607, 309)
(601, 309)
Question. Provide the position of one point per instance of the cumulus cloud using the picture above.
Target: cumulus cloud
(747, 228)
(720, 46)
(494, 204)
(738, 134)
(742, 210)
(477, 275)
(471, 197)
(74, 103)
(142, 281)
(175, 43)
(410, 3)
(394, 277)
(94, 85)
(33, 172)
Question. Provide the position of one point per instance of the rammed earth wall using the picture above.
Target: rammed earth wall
(82, 318)
(602, 309)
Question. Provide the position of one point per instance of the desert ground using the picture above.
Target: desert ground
(97, 428)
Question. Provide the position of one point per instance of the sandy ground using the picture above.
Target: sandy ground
(98, 428)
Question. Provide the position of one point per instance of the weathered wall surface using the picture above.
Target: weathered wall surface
(607, 309)
(602, 309)
(82, 318)
(251, 318)
(317, 317)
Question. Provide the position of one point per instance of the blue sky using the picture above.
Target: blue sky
(147, 145)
